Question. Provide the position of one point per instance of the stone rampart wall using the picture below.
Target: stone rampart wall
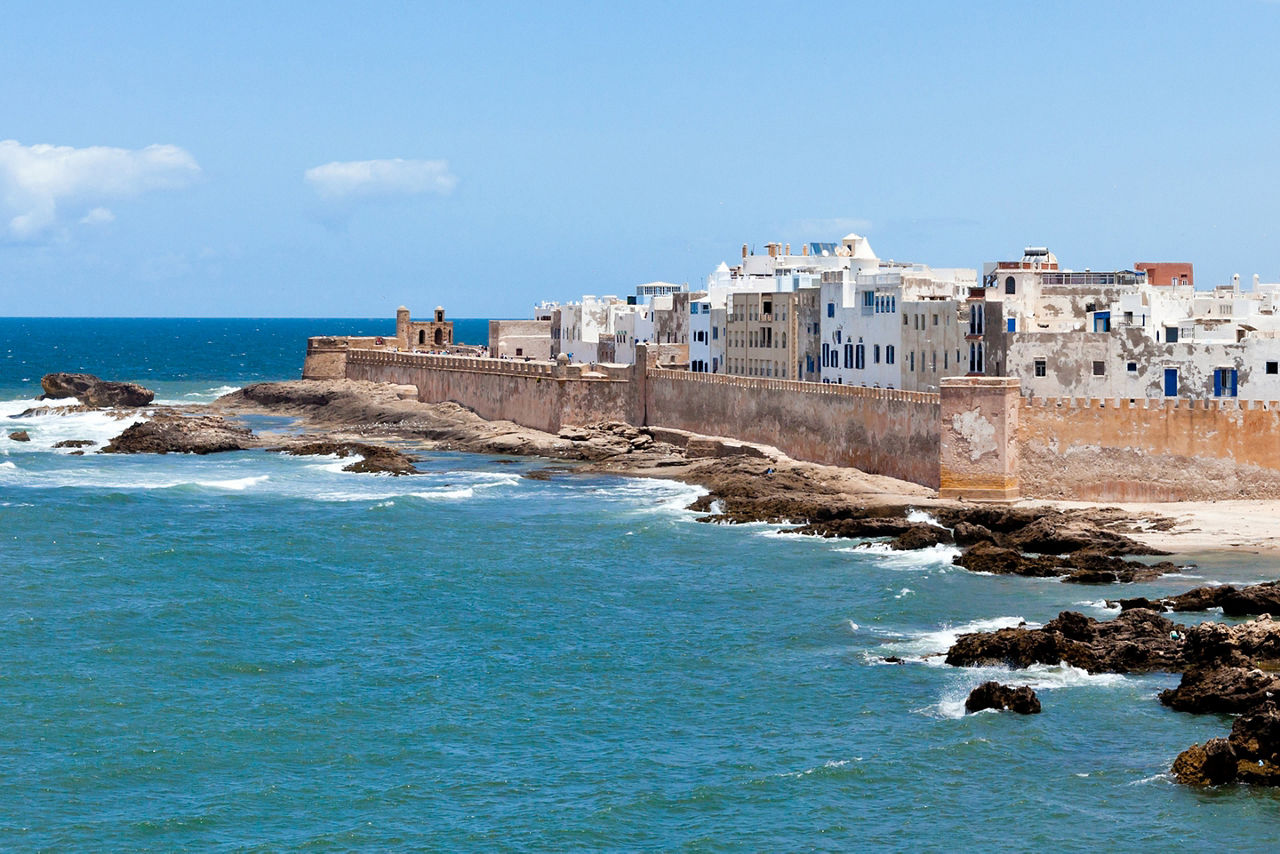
(529, 393)
(882, 431)
(1148, 449)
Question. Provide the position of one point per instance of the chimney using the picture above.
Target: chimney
(744, 250)
(788, 252)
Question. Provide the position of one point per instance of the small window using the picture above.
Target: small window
(1171, 335)
(1041, 367)
(875, 354)
(1132, 367)
(1010, 286)
(935, 320)
(1099, 369)
(868, 299)
(1273, 367)
(888, 354)
(831, 309)
(1011, 324)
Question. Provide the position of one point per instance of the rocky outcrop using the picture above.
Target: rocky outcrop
(74, 443)
(1250, 754)
(20, 436)
(91, 391)
(921, 536)
(205, 434)
(1224, 689)
(1136, 641)
(374, 459)
(1083, 567)
(993, 695)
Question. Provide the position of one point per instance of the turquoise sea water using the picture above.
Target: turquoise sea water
(250, 650)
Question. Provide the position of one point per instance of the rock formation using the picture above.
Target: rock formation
(205, 434)
(374, 458)
(1250, 754)
(20, 436)
(993, 695)
(91, 391)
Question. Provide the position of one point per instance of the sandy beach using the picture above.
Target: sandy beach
(1199, 526)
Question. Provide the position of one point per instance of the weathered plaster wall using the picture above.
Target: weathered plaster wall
(979, 438)
(529, 393)
(1157, 450)
(881, 431)
(532, 338)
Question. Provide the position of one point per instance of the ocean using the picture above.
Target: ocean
(256, 651)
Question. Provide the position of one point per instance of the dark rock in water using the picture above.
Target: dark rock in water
(920, 536)
(968, 534)
(892, 659)
(993, 695)
(988, 557)
(1135, 602)
(1082, 567)
(20, 436)
(1199, 599)
(205, 434)
(1134, 642)
(1097, 568)
(90, 390)
(1251, 754)
(59, 385)
(107, 394)
(1234, 601)
(1220, 689)
(1255, 599)
(857, 528)
(376, 459)
(74, 443)
(1212, 764)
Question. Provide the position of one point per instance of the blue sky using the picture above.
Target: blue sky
(325, 160)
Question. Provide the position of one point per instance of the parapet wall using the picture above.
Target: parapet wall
(882, 431)
(1149, 449)
(532, 394)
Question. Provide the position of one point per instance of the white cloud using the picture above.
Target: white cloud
(36, 181)
(98, 216)
(367, 178)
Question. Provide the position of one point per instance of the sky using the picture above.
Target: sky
(338, 160)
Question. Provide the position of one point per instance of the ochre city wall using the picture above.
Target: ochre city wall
(1148, 450)
(528, 393)
(979, 439)
(881, 431)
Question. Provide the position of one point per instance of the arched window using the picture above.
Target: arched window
(1010, 287)
(439, 336)
(422, 336)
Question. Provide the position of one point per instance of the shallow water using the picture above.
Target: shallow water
(253, 649)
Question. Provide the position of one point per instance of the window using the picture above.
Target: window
(839, 336)
(875, 354)
(1099, 369)
(1171, 335)
(1041, 367)
(905, 321)
(1273, 367)
(848, 355)
(868, 299)
(831, 309)
(1224, 382)
(715, 335)
(826, 356)
(1011, 324)
(1132, 367)
(911, 361)
(935, 320)
(861, 354)
(1102, 321)
(976, 319)
(888, 354)
(1010, 286)
(767, 307)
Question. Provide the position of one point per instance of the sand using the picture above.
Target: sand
(1202, 526)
